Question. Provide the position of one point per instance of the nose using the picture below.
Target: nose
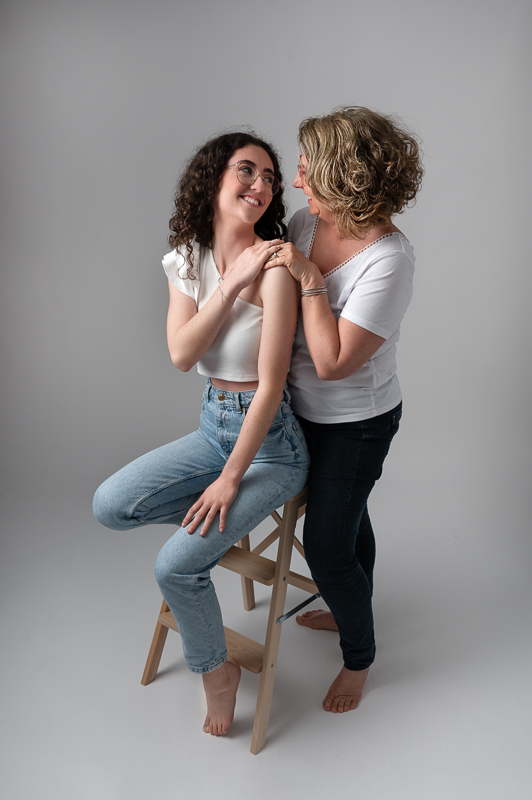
(297, 183)
(263, 183)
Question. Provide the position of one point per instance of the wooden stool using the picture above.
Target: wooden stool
(253, 656)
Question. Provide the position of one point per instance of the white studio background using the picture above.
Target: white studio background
(102, 102)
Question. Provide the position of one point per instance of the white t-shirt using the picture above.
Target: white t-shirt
(234, 354)
(373, 290)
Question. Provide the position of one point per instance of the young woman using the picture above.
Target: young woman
(357, 169)
(236, 322)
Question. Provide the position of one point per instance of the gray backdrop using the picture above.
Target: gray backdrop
(102, 100)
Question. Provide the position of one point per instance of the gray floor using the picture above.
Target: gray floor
(446, 712)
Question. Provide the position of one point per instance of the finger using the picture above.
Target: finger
(189, 515)
(274, 262)
(207, 524)
(223, 518)
(273, 244)
(197, 515)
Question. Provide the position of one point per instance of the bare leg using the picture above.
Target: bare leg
(220, 688)
(346, 690)
(318, 620)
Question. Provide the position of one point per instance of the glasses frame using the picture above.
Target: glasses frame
(256, 174)
(301, 171)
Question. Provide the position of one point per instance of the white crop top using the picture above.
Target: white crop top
(234, 354)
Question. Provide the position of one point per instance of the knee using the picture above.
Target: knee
(177, 569)
(322, 556)
(163, 572)
(169, 572)
(109, 511)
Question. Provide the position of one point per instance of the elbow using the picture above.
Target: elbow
(328, 373)
(181, 363)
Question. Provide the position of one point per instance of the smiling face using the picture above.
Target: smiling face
(244, 203)
(316, 208)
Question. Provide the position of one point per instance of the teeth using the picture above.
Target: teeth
(251, 201)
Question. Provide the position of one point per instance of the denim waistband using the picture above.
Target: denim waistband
(236, 400)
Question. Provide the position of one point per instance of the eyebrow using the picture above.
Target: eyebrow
(252, 164)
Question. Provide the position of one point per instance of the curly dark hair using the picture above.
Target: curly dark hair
(362, 165)
(197, 189)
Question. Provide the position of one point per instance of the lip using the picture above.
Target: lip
(252, 197)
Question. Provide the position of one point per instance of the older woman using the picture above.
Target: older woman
(357, 169)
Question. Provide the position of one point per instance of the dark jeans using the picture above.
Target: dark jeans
(346, 459)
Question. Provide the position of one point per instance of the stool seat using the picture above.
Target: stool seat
(252, 566)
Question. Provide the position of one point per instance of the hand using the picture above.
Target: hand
(252, 260)
(218, 497)
(300, 268)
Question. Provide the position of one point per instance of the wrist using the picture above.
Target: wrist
(228, 289)
(312, 280)
(232, 475)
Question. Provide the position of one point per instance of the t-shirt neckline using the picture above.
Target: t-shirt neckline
(339, 266)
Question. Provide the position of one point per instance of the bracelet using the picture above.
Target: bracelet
(313, 292)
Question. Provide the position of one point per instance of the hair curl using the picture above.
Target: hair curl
(199, 185)
(362, 165)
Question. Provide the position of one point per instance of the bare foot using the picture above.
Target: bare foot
(317, 620)
(220, 688)
(346, 690)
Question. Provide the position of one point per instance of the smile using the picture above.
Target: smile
(253, 201)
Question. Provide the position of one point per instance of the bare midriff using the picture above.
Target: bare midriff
(235, 386)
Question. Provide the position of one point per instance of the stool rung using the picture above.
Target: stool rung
(250, 565)
(246, 652)
(302, 582)
(167, 619)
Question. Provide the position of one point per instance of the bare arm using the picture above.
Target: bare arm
(190, 332)
(279, 296)
(338, 349)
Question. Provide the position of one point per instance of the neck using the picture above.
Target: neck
(230, 240)
(366, 237)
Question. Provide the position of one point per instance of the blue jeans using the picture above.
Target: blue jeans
(160, 487)
(346, 461)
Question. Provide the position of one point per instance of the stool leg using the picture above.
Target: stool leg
(156, 649)
(248, 592)
(273, 635)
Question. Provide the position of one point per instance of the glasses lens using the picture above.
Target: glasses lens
(275, 185)
(248, 175)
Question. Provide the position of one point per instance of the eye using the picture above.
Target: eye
(269, 180)
(245, 169)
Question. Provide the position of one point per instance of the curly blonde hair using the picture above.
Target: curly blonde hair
(362, 165)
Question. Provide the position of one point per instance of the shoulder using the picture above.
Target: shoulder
(392, 245)
(175, 262)
(278, 284)
(175, 265)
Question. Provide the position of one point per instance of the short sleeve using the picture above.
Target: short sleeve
(380, 297)
(175, 267)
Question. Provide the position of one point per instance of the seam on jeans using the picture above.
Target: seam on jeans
(131, 512)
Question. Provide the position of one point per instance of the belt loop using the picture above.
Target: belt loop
(237, 402)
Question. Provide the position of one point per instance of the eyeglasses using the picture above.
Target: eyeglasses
(247, 175)
(302, 172)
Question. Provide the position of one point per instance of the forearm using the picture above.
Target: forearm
(256, 425)
(188, 342)
(321, 333)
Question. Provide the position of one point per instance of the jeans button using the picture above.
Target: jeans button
(221, 397)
